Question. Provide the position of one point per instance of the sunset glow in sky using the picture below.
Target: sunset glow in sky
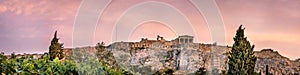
(27, 26)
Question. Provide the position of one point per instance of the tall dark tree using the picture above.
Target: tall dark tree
(55, 49)
(242, 59)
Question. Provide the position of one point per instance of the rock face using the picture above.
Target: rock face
(277, 64)
(186, 57)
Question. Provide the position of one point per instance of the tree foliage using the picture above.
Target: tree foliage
(241, 59)
(27, 65)
(55, 49)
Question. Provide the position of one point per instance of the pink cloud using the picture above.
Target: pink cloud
(34, 22)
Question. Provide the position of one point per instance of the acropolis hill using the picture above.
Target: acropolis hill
(186, 57)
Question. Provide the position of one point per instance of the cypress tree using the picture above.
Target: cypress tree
(242, 59)
(55, 49)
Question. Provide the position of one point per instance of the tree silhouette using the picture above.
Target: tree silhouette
(241, 59)
(55, 49)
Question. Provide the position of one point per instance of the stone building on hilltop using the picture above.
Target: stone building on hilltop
(180, 53)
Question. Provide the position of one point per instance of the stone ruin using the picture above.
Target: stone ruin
(181, 54)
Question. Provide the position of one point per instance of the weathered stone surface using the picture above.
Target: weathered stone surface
(180, 54)
(278, 64)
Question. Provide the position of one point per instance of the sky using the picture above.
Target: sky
(27, 26)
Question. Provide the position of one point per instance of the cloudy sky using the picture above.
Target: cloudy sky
(27, 26)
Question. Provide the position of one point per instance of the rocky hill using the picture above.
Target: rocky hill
(277, 63)
(155, 59)
(185, 57)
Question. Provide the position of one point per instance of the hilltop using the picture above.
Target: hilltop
(186, 57)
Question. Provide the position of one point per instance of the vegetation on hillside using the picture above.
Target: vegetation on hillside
(88, 64)
(105, 56)
(27, 65)
(80, 62)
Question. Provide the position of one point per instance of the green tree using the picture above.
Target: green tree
(241, 59)
(55, 49)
